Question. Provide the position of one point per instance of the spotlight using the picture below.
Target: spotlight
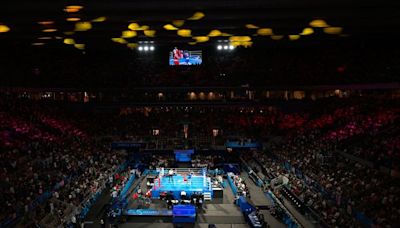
(146, 48)
(231, 47)
(151, 48)
(140, 48)
(219, 47)
(226, 47)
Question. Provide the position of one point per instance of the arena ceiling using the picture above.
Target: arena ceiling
(170, 22)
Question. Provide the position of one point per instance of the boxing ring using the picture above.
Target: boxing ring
(180, 181)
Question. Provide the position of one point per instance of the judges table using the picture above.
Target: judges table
(184, 214)
(253, 220)
(218, 192)
(245, 206)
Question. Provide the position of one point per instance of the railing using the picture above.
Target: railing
(38, 201)
(253, 176)
(289, 220)
(88, 203)
(125, 190)
(308, 180)
(232, 184)
(367, 222)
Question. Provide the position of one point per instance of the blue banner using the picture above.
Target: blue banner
(126, 188)
(233, 186)
(241, 144)
(127, 145)
(148, 212)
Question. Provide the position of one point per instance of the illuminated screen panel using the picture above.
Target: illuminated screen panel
(183, 155)
(179, 57)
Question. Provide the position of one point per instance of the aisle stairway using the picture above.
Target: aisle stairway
(207, 196)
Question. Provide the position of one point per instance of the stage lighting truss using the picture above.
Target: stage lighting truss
(224, 45)
(146, 46)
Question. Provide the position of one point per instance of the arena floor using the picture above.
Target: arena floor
(220, 211)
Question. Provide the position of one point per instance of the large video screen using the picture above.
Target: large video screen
(183, 155)
(179, 57)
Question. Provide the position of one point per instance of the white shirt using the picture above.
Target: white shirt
(183, 193)
(170, 172)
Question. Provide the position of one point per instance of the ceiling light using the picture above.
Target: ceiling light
(73, 19)
(201, 39)
(128, 34)
(50, 30)
(46, 22)
(37, 44)
(241, 43)
(178, 23)
(73, 9)
(184, 32)
(265, 31)
(214, 33)
(277, 37)
(140, 48)
(119, 40)
(170, 27)
(151, 48)
(4, 28)
(231, 47)
(245, 44)
(307, 31)
(133, 26)
(197, 16)
(146, 48)
(318, 23)
(44, 38)
(136, 27)
(83, 26)
(99, 19)
(294, 37)
(226, 47)
(143, 27)
(333, 30)
(79, 46)
(69, 41)
(240, 38)
(132, 45)
(219, 47)
(149, 33)
(251, 26)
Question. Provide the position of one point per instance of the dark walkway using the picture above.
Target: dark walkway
(258, 198)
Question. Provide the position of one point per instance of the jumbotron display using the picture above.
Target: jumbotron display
(183, 155)
(178, 57)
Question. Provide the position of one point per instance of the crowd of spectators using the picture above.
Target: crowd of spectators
(241, 187)
(50, 150)
(46, 158)
(209, 161)
(333, 185)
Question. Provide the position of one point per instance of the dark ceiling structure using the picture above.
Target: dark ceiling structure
(107, 23)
